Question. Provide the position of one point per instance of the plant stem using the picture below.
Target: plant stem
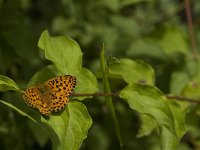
(191, 30)
(109, 101)
(197, 101)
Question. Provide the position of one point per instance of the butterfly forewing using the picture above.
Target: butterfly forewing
(60, 88)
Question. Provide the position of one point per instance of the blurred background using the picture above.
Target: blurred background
(151, 30)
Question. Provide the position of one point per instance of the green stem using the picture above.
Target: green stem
(109, 101)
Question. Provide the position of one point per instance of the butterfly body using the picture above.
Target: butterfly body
(52, 96)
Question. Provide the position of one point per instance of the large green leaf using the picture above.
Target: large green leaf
(7, 84)
(69, 129)
(64, 52)
(67, 57)
(132, 71)
(148, 100)
(148, 123)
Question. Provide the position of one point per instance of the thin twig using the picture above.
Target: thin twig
(184, 99)
(94, 94)
(190, 28)
(197, 101)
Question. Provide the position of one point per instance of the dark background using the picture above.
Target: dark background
(154, 31)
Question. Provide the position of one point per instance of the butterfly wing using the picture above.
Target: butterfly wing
(31, 96)
(35, 98)
(60, 89)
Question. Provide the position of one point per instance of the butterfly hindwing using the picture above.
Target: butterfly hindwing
(31, 96)
(35, 97)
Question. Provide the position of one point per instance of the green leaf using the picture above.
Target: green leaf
(178, 113)
(148, 124)
(128, 26)
(64, 52)
(192, 89)
(179, 80)
(8, 84)
(148, 100)
(173, 40)
(159, 44)
(69, 129)
(43, 75)
(86, 83)
(168, 140)
(192, 121)
(186, 82)
(146, 47)
(186, 79)
(132, 71)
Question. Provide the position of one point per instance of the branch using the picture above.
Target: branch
(190, 28)
(197, 101)
(95, 94)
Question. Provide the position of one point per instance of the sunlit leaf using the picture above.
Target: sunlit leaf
(150, 101)
(132, 71)
(7, 84)
(64, 52)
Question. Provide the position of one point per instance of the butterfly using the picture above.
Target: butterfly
(52, 96)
